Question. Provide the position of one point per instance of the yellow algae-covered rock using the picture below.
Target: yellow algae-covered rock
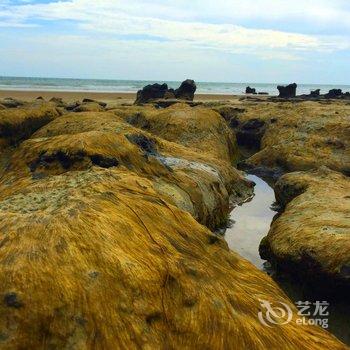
(100, 248)
(297, 136)
(200, 129)
(185, 180)
(96, 259)
(312, 235)
(18, 124)
(88, 107)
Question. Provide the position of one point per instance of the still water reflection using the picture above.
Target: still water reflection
(251, 222)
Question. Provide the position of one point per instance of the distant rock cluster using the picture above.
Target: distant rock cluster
(161, 91)
(290, 91)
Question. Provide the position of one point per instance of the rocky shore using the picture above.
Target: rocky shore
(309, 142)
(107, 215)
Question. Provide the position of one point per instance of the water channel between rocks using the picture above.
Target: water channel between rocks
(250, 223)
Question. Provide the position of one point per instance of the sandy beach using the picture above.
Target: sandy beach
(27, 95)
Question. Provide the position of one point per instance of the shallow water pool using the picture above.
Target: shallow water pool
(251, 222)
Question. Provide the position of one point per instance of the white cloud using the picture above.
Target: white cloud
(182, 22)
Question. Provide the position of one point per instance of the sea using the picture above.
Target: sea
(106, 85)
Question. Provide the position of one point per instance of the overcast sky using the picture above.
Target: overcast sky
(307, 41)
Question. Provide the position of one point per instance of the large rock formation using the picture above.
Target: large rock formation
(161, 91)
(100, 247)
(287, 91)
(151, 92)
(186, 90)
(312, 235)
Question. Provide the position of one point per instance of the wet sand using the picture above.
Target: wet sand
(101, 96)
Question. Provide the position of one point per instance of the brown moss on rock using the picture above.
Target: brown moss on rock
(197, 181)
(19, 124)
(101, 249)
(299, 136)
(312, 235)
(200, 129)
(98, 259)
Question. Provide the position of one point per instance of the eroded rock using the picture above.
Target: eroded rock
(287, 91)
(312, 235)
(119, 249)
(186, 90)
(161, 91)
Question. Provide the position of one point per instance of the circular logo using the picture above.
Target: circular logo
(274, 314)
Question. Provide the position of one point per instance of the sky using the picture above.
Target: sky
(261, 41)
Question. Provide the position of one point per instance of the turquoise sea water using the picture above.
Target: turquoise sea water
(100, 85)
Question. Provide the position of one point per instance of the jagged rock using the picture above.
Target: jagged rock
(334, 93)
(250, 90)
(186, 90)
(315, 93)
(151, 92)
(287, 91)
(40, 98)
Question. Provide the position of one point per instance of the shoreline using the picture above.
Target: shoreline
(29, 95)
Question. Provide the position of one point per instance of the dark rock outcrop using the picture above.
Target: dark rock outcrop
(250, 90)
(161, 91)
(287, 91)
(151, 92)
(315, 93)
(334, 93)
(186, 90)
